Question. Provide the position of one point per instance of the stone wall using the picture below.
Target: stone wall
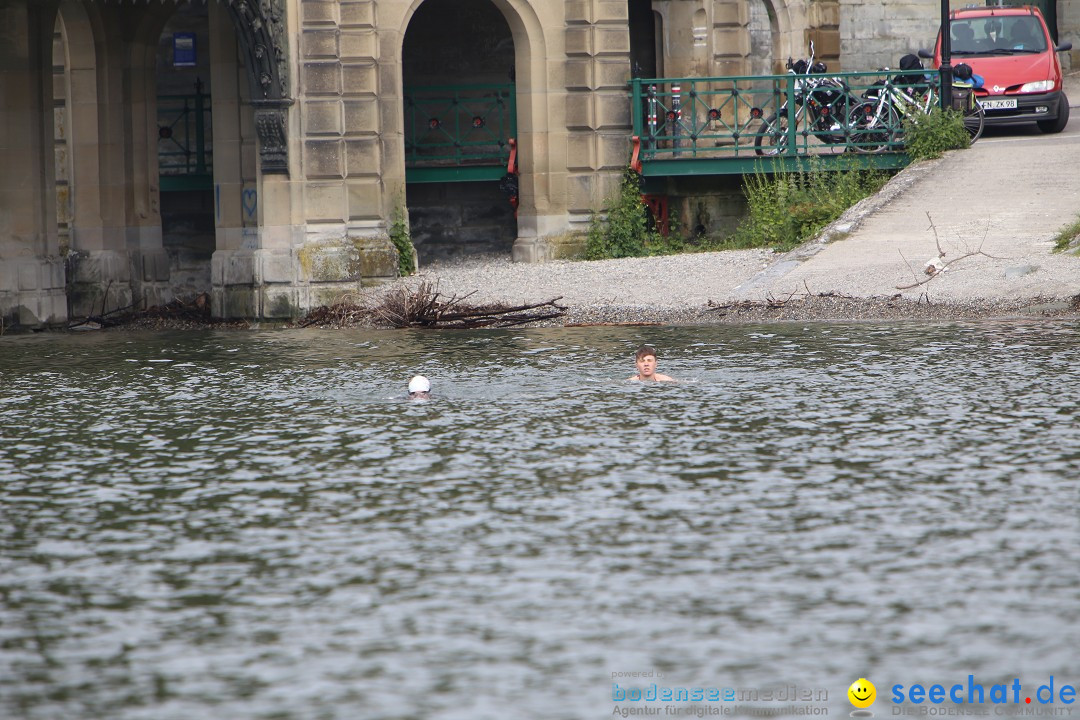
(449, 220)
(1069, 31)
(874, 34)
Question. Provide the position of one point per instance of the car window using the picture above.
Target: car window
(1024, 33)
(967, 37)
(997, 35)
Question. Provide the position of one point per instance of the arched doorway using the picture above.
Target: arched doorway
(185, 148)
(460, 116)
(645, 49)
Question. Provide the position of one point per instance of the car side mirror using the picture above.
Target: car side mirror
(926, 55)
(1063, 47)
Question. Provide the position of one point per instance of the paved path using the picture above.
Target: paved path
(1008, 197)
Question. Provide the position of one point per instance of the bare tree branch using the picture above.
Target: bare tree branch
(938, 270)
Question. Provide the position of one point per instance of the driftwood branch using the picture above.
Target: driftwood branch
(424, 306)
(195, 310)
(773, 303)
(934, 269)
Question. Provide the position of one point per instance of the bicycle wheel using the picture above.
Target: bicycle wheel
(873, 129)
(974, 119)
(773, 135)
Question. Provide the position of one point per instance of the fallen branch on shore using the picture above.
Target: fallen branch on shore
(774, 303)
(196, 310)
(937, 265)
(424, 306)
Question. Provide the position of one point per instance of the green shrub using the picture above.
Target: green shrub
(1067, 237)
(786, 209)
(627, 231)
(928, 136)
(402, 240)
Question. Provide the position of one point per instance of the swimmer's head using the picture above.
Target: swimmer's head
(419, 387)
(645, 359)
(645, 350)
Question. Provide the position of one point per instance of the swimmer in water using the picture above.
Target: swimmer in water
(645, 359)
(419, 388)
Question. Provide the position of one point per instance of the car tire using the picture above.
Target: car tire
(1057, 124)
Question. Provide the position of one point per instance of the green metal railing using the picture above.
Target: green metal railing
(458, 132)
(185, 157)
(732, 125)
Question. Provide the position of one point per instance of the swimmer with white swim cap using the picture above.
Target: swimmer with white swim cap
(419, 388)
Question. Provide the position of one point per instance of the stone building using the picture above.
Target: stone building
(266, 151)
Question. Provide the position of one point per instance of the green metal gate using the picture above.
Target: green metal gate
(185, 152)
(457, 133)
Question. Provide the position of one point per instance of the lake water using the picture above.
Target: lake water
(259, 525)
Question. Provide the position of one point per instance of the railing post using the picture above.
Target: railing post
(200, 130)
(793, 115)
(676, 111)
(635, 98)
(186, 147)
(652, 117)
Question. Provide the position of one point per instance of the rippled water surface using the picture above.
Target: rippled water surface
(259, 525)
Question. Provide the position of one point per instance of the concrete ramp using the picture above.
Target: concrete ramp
(1001, 203)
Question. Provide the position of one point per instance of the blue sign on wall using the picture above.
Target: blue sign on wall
(183, 44)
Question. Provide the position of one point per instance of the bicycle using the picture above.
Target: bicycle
(878, 122)
(822, 109)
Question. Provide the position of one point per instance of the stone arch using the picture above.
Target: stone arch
(536, 146)
(642, 22)
(764, 29)
(790, 27)
(98, 264)
(263, 40)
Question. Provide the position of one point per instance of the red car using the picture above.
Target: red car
(1011, 49)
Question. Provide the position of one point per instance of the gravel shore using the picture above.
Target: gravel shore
(995, 238)
(694, 288)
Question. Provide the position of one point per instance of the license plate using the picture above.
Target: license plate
(1009, 104)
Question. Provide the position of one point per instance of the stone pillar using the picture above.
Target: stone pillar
(730, 35)
(598, 121)
(31, 270)
(346, 243)
(99, 274)
(236, 191)
(291, 241)
(150, 267)
(824, 20)
(253, 269)
(117, 258)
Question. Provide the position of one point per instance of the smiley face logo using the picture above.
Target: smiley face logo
(862, 693)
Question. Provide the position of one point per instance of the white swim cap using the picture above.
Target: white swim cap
(419, 384)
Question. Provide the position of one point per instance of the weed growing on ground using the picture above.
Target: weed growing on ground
(786, 209)
(1067, 238)
(928, 136)
(626, 232)
(402, 240)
